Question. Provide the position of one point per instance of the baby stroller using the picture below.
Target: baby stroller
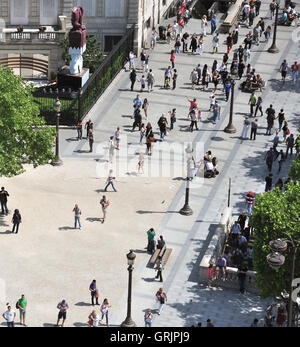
(162, 33)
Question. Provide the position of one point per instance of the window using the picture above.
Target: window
(19, 12)
(110, 41)
(89, 7)
(48, 12)
(114, 8)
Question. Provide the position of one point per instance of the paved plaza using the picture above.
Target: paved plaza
(48, 260)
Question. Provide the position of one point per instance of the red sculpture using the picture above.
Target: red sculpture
(77, 35)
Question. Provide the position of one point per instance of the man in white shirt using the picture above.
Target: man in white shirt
(9, 316)
(175, 27)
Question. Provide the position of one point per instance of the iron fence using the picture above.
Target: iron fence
(76, 104)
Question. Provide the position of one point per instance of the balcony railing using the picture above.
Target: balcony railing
(9, 36)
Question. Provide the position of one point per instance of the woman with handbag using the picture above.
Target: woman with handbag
(93, 319)
(161, 298)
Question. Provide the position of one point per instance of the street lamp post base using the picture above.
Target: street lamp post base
(186, 210)
(230, 129)
(57, 162)
(128, 323)
(273, 49)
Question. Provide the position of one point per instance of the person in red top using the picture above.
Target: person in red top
(294, 69)
(250, 200)
(181, 24)
(172, 59)
(193, 105)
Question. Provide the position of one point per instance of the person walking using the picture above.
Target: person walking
(148, 317)
(286, 130)
(281, 119)
(79, 130)
(3, 199)
(172, 118)
(159, 268)
(104, 204)
(137, 120)
(142, 133)
(200, 44)
(94, 292)
(269, 158)
(229, 43)
(77, 212)
(150, 80)
(141, 163)
(132, 77)
(162, 299)
(254, 126)
(194, 119)
(93, 319)
(145, 107)
(250, 200)
(62, 314)
(276, 140)
(290, 142)
(245, 128)
(283, 70)
(252, 102)
(104, 310)
(89, 126)
(111, 149)
(259, 106)
(91, 139)
(270, 119)
(209, 324)
(227, 87)
(118, 137)
(213, 24)
(109, 181)
(216, 112)
(151, 241)
(9, 315)
(215, 43)
(172, 58)
(280, 159)
(268, 181)
(241, 274)
(16, 220)
(174, 78)
(294, 69)
(22, 306)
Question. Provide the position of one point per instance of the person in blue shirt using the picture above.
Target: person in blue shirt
(227, 87)
(213, 24)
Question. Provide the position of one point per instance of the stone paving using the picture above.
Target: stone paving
(153, 201)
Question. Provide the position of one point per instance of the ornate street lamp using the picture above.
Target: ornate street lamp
(273, 48)
(186, 210)
(276, 260)
(57, 106)
(230, 127)
(128, 322)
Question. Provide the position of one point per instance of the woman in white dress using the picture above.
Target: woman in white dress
(203, 25)
(200, 44)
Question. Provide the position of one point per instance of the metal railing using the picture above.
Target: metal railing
(29, 36)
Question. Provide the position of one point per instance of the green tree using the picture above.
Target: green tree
(24, 135)
(295, 167)
(92, 57)
(274, 215)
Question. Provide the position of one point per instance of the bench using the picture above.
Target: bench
(232, 16)
(160, 254)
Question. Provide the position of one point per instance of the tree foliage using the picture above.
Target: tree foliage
(92, 57)
(24, 135)
(274, 215)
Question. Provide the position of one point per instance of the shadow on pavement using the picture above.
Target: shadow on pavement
(200, 247)
(81, 304)
(66, 228)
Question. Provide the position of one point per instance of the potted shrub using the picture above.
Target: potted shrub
(20, 28)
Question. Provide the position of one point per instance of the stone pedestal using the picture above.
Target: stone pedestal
(77, 81)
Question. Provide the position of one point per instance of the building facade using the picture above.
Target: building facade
(35, 54)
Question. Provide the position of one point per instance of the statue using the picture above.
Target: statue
(77, 40)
